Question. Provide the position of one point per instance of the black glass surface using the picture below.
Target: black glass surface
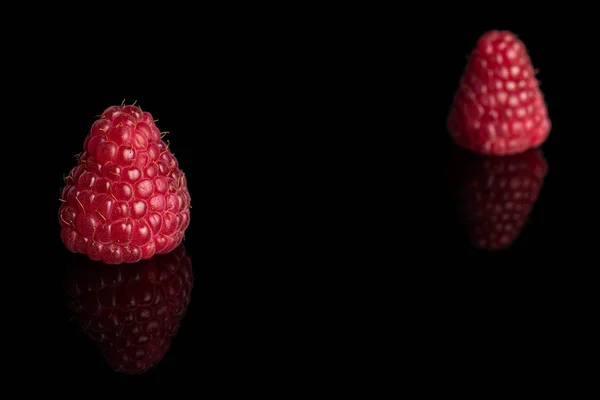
(335, 227)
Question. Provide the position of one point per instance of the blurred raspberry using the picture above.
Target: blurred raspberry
(498, 108)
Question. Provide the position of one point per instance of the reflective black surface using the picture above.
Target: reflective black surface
(335, 227)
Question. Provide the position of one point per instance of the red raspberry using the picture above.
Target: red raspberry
(131, 310)
(127, 199)
(499, 108)
(496, 194)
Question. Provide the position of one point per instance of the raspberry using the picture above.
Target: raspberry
(131, 310)
(499, 108)
(496, 194)
(127, 199)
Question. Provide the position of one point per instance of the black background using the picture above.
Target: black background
(317, 158)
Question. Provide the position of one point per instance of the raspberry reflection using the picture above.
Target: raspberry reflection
(496, 194)
(131, 310)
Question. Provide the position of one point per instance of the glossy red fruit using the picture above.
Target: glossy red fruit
(127, 199)
(131, 310)
(496, 194)
(499, 108)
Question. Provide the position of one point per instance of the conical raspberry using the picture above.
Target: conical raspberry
(499, 108)
(127, 199)
(131, 310)
(496, 194)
